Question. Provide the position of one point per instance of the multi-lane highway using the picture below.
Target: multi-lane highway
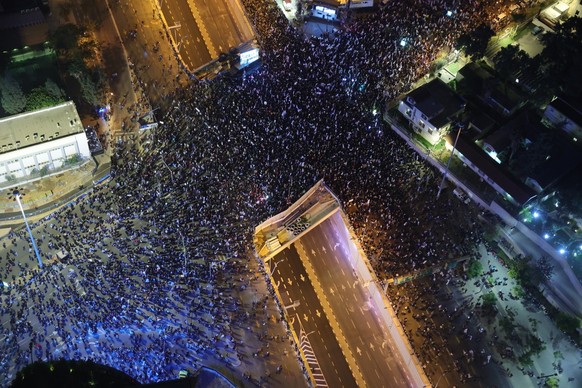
(331, 253)
(306, 313)
(203, 29)
(328, 250)
(225, 22)
(186, 33)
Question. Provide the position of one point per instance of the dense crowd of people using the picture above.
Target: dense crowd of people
(229, 154)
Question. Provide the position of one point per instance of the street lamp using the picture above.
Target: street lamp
(15, 195)
(274, 268)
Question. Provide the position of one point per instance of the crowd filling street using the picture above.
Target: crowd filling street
(159, 254)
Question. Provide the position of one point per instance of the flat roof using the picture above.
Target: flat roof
(35, 127)
(520, 192)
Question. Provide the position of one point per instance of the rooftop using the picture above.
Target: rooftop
(520, 192)
(436, 101)
(571, 108)
(31, 128)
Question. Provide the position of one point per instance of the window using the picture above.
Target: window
(421, 124)
(409, 112)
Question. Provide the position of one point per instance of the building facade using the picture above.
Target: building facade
(431, 108)
(565, 115)
(33, 144)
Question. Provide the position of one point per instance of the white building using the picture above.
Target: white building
(565, 114)
(34, 143)
(431, 108)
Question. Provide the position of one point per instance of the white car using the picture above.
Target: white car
(461, 195)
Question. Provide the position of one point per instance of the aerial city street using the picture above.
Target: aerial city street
(291, 193)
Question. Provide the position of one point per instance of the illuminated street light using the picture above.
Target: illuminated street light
(536, 214)
(15, 195)
(546, 236)
(562, 251)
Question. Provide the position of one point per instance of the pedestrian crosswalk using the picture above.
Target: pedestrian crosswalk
(313, 364)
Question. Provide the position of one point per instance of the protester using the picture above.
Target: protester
(156, 253)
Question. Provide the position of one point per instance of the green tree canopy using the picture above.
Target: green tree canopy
(530, 273)
(13, 99)
(40, 98)
(65, 37)
(89, 89)
(475, 269)
(489, 299)
(510, 61)
(567, 323)
(475, 42)
(54, 90)
(562, 56)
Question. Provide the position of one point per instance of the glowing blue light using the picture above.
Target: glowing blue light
(449, 13)
(546, 236)
(403, 42)
(562, 251)
(536, 214)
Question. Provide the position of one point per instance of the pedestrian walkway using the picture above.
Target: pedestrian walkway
(46, 194)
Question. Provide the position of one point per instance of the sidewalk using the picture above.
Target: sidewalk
(45, 195)
(491, 206)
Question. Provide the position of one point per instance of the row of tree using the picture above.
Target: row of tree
(556, 70)
(76, 53)
(13, 100)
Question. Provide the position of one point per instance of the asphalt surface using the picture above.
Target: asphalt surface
(188, 37)
(328, 250)
(293, 284)
(326, 247)
(226, 30)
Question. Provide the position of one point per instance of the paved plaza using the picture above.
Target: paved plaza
(110, 300)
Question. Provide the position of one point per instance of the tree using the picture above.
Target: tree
(40, 98)
(562, 56)
(475, 269)
(489, 301)
(54, 90)
(544, 269)
(13, 99)
(510, 61)
(65, 37)
(475, 42)
(89, 89)
(552, 382)
(567, 323)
